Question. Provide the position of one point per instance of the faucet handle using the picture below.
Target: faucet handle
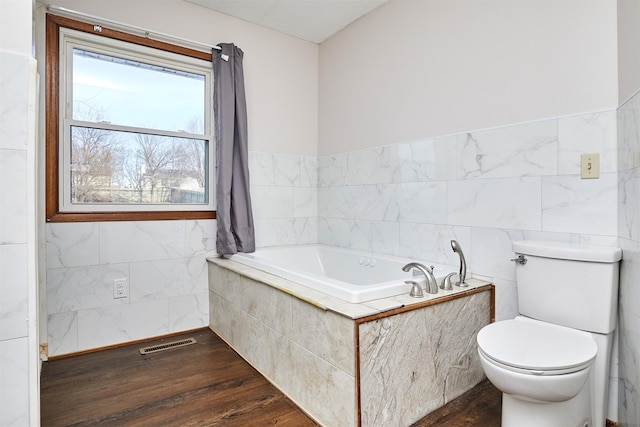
(446, 282)
(416, 290)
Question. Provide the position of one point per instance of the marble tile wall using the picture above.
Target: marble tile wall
(629, 240)
(17, 145)
(306, 351)
(163, 261)
(484, 188)
(406, 372)
(284, 195)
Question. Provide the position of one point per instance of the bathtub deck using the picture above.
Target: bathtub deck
(203, 384)
(337, 305)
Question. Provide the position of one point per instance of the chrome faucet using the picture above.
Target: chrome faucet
(463, 264)
(432, 284)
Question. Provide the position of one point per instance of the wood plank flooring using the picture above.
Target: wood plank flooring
(479, 407)
(204, 384)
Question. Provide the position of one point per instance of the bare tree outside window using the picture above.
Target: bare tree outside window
(136, 168)
(133, 174)
(92, 162)
(156, 157)
(192, 153)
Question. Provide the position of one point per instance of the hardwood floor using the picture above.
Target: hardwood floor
(205, 384)
(479, 407)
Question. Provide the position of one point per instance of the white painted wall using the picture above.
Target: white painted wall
(628, 48)
(281, 72)
(15, 36)
(412, 69)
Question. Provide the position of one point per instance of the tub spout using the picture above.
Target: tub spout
(463, 264)
(432, 284)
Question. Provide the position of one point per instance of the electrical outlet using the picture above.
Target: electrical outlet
(120, 288)
(590, 166)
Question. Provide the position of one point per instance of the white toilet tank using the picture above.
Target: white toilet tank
(569, 285)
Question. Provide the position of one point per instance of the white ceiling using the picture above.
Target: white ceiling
(311, 20)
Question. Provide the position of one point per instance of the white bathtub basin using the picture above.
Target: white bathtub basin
(347, 274)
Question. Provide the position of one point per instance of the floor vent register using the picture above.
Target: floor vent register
(167, 346)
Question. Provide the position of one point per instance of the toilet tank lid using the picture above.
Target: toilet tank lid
(570, 251)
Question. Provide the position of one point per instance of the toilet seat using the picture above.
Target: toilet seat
(536, 348)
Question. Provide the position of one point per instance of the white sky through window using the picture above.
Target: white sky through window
(131, 93)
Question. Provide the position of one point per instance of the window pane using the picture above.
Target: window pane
(112, 167)
(131, 93)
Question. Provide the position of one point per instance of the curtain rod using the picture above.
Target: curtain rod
(68, 13)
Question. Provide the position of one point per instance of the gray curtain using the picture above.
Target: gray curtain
(234, 216)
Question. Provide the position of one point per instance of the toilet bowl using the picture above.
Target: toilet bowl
(552, 361)
(537, 364)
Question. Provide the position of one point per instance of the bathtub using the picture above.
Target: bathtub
(349, 364)
(350, 275)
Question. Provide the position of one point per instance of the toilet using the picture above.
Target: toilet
(552, 361)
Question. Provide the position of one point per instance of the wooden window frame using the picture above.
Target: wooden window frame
(52, 126)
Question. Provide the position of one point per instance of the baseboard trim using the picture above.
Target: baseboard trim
(144, 340)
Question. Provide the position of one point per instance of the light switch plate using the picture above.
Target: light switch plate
(590, 166)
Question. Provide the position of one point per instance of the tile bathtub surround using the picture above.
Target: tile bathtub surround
(296, 338)
(257, 321)
(483, 188)
(284, 195)
(417, 361)
(164, 263)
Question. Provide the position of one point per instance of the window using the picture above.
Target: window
(129, 127)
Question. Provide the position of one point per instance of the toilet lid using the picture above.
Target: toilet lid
(536, 346)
